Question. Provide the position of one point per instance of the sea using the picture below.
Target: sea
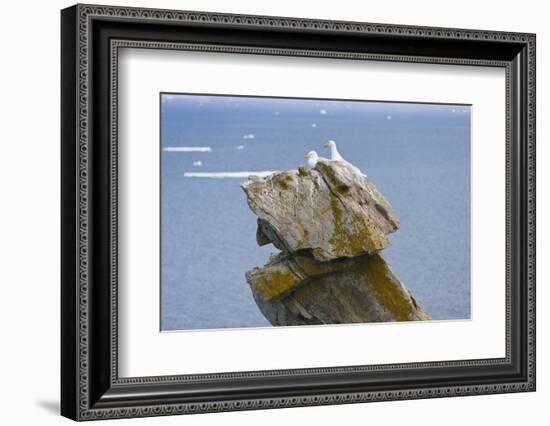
(418, 155)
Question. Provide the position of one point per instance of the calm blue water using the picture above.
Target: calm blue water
(418, 156)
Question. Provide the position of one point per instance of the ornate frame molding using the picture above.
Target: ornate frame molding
(87, 407)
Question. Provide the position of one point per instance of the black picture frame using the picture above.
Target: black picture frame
(90, 386)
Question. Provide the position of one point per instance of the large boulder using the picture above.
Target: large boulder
(332, 211)
(297, 290)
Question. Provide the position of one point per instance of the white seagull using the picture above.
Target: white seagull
(312, 159)
(334, 154)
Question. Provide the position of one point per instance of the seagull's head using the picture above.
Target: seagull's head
(330, 144)
(311, 155)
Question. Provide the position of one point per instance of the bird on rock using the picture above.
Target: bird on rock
(312, 159)
(335, 156)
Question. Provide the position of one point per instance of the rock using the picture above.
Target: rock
(298, 290)
(331, 211)
(330, 224)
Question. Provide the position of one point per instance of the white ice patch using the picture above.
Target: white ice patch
(225, 175)
(187, 149)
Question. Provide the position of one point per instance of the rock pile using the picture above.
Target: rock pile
(330, 224)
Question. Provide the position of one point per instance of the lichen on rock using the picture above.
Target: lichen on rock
(330, 210)
(330, 224)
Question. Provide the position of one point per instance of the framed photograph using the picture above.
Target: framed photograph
(263, 212)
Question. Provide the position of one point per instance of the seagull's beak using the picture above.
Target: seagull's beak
(326, 145)
(305, 156)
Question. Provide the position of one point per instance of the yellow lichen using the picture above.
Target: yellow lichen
(365, 238)
(302, 243)
(272, 284)
(386, 290)
(284, 180)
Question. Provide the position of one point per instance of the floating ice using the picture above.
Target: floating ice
(187, 149)
(197, 163)
(224, 175)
